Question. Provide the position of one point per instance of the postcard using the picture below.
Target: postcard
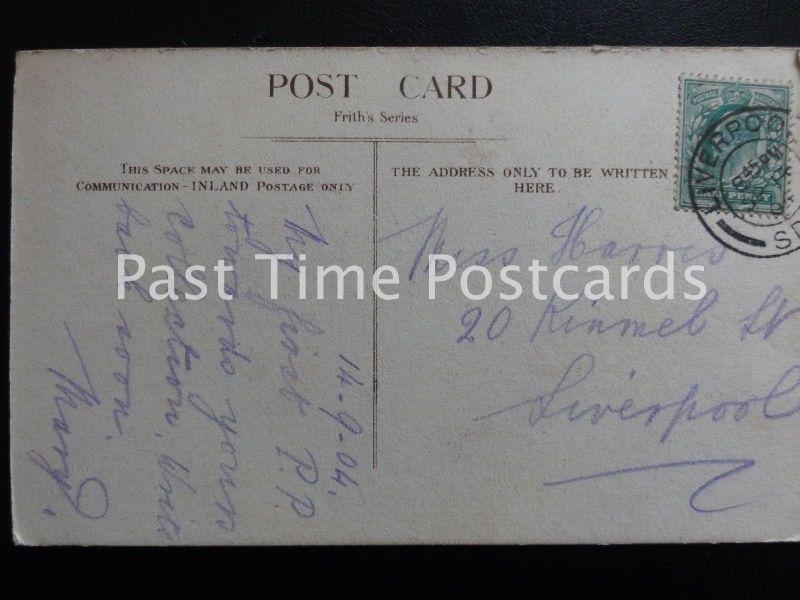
(405, 296)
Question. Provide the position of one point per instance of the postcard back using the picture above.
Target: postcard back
(141, 415)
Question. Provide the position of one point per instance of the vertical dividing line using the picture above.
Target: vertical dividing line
(374, 306)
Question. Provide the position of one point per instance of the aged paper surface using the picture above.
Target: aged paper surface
(252, 421)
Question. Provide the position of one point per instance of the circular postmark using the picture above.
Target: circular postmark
(738, 183)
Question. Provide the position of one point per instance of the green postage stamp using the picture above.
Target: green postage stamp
(733, 144)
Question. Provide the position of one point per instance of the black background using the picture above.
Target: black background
(731, 570)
